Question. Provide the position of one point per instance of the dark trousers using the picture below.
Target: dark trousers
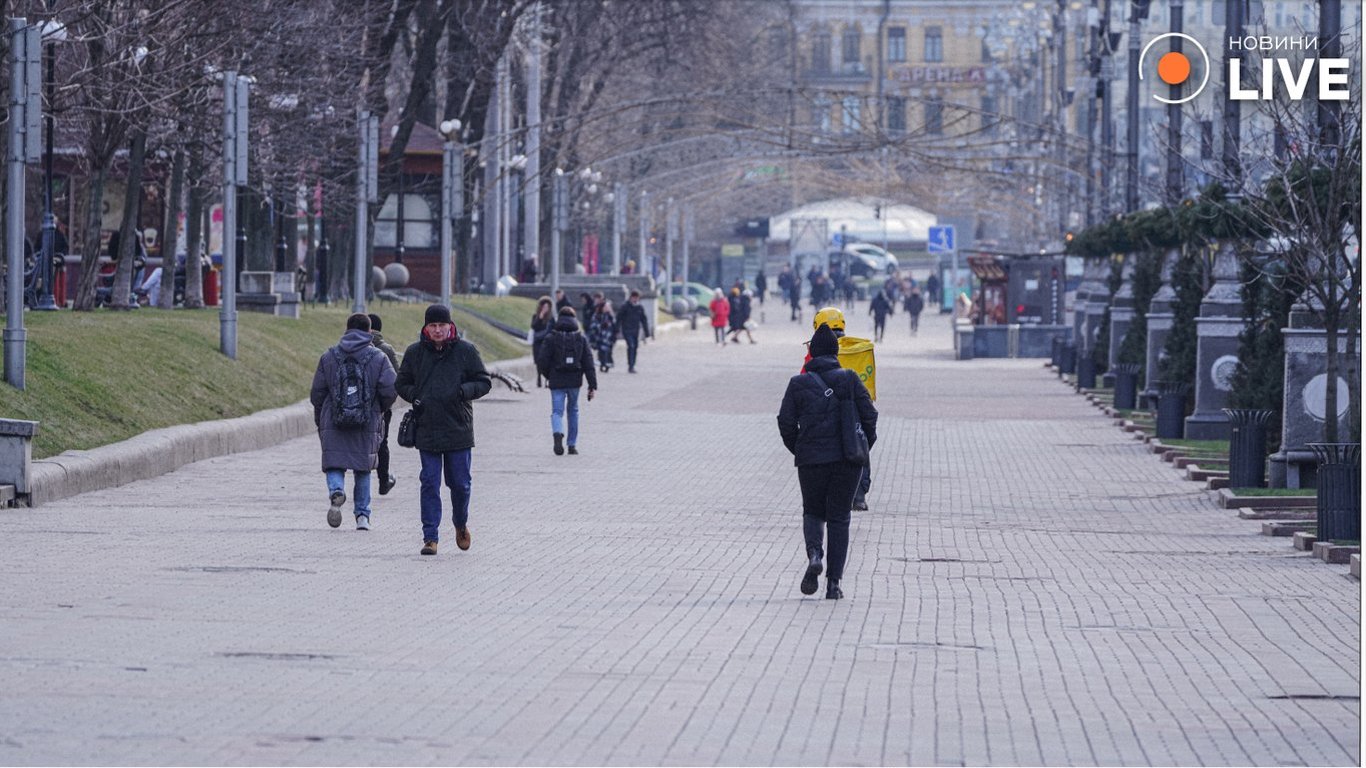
(827, 495)
(879, 326)
(384, 449)
(915, 322)
(865, 482)
(632, 344)
(455, 467)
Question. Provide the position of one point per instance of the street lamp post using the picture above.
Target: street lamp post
(452, 200)
(53, 33)
(367, 191)
(235, 95)
(560, 222)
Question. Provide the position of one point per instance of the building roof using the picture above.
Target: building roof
(869, 219)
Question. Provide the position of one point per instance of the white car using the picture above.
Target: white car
(876, 256)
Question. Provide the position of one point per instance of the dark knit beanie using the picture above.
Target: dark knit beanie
(375, 324)
(437, 313)
(823, 342)
(568, 312)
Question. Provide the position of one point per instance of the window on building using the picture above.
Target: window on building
(934, 116)
(418, 229)
(896, 44)
(820, 115)
(849, 110)
(896, 115)
(820, 52)
(777, 43)
(934, 44)
(849, 46)
(1206, 139)
(989, 116)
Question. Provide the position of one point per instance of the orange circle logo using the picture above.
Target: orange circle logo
(1174, 68)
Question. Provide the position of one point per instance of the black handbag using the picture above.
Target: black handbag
(853, 440)
(407, 428)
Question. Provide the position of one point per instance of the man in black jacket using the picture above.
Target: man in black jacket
(445, 375)
(809, 422)
(632, 324)
(565, 360)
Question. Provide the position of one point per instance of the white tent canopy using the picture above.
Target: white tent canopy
(899, 223)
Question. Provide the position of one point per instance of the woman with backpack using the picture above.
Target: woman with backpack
(565, 361)
(811, 425)
(541, 323)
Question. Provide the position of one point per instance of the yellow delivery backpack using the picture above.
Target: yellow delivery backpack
(857, 355)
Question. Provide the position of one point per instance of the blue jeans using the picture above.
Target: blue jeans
(455, 465)
(336, 483)
(558, 399)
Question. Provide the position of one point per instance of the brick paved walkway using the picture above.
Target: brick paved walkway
(1029, 588)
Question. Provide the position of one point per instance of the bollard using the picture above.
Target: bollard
(1171, 409)
(1126, 386)
(1339, 491)
(1247, 447)
(1055, 355)
(1086, 371)
(1068, 356)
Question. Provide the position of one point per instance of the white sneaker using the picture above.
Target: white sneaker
(362, 522)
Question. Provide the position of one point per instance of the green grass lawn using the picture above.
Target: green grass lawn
(515, 311)
(94, 378)
(1275, 492)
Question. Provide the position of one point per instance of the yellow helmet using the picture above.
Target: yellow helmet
(831, 316)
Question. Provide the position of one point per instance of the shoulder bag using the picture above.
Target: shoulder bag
(853, 441)
(407, 428)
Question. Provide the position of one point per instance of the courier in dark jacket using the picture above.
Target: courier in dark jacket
(809, 422)
(356, 448)
(445, 375)
(565, 360)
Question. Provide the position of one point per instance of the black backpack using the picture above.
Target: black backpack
(566, 353)
(351, 397)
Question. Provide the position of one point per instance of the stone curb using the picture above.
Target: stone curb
(159, 451)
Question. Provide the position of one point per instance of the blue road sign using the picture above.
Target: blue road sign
(941, 240)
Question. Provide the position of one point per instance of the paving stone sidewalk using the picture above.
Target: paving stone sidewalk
(1029, 587)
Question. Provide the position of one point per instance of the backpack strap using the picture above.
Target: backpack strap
(829, 391)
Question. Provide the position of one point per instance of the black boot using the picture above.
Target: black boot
(559, 443)
(832, 590)
(813, 570)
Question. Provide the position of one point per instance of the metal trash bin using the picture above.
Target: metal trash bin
(1086, 371)
(1068, 360)
(1171, 409)
(1247, 447)
(1339, 491)
(1126, 386)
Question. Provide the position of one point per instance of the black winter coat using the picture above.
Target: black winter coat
(447, 381)
(566, 337)
(809, 422)
(632, 321)
(915, 304)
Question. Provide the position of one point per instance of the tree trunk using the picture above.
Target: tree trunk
(171, 240)
(194, 233)
(129, 237)
(90, 253)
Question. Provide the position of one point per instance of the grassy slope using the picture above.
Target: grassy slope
(94, 378)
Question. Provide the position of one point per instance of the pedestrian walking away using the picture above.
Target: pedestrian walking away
(445, 375)
(565, 362)
(932, 290)
(760, 285)
(386, 478)
(833, 317)
(352, 386)
(602, 333)
(880, 307)
(741, 307)
(541, 323)
(632, 324)
(915, 304)
(809, 422)
(720, 316)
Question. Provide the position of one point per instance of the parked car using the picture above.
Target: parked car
(881, 259)
(860, 264)
(697, 293)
